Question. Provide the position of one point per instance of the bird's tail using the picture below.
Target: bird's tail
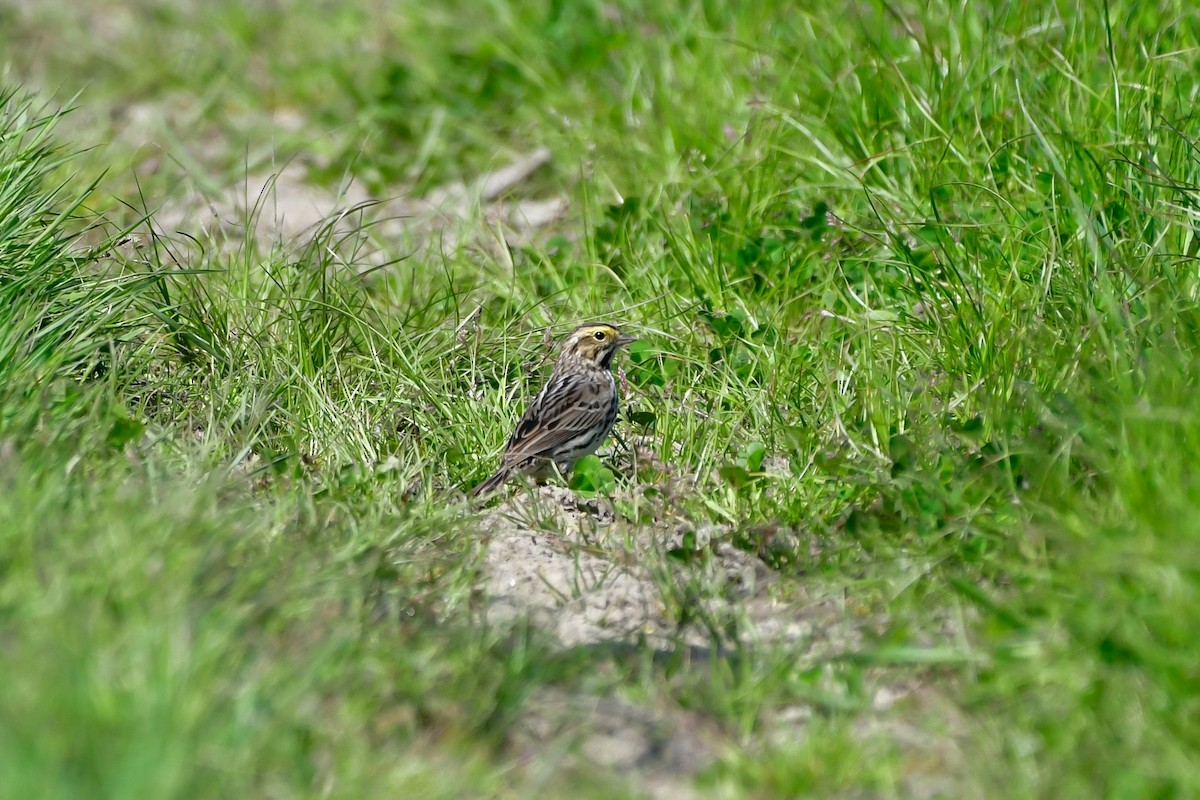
(491, 484)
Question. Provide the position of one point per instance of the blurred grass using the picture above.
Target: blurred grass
(916, 282)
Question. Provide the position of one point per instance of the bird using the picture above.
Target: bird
(572, 414)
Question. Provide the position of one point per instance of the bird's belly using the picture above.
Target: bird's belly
(577, 448)
(586, 442)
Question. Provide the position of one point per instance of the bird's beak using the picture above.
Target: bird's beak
(625, 339)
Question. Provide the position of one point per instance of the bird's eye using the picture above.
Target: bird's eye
(599, 336)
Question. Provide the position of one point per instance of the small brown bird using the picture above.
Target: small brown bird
(572, 414)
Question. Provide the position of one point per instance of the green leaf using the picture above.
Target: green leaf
(123, 430)
(647, 366)
(590, 475)
(752, 456)
(901, 449)
(643, 418)
(735, 475)
(687, 550)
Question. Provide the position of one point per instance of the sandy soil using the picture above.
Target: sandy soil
(567, 566)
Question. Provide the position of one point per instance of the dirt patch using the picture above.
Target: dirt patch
(659, 751)
(565, 564)
(572, 569)
(283, 206)
(544, 561)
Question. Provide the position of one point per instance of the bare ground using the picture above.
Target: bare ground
(567, 566)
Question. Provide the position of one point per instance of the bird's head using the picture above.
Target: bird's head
(594, 344)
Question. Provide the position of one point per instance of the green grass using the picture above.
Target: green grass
(917, 293)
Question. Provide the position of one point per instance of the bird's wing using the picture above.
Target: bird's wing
(565, 409)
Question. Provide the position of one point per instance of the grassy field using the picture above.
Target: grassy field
(919, 306)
